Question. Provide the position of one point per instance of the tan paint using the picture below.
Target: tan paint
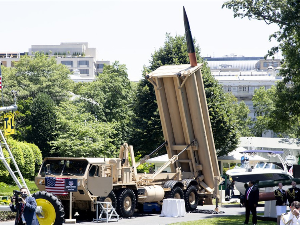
(194, 119)
(199, 129)
(165, 118)
(186, 121)
(207, 123)
(174, 114)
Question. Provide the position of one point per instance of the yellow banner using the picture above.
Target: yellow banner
(9, 123)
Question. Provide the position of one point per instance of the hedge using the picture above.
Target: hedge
(27, 156)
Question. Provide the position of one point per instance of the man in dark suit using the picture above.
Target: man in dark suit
(25, 209)
(293, 193)
(251, 202)
(281, 198)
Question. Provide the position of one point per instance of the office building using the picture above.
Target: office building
(77, 56)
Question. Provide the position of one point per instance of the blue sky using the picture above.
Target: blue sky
(129, 31)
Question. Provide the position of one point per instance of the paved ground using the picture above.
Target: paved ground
(155, 219)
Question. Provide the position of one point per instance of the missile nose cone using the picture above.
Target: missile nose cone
(189, 40)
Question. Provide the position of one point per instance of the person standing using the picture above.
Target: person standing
(281, 199)
(25, 209)
(293, 216)
(293, 193)
(251, 202)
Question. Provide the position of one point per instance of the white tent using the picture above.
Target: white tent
(235, 157)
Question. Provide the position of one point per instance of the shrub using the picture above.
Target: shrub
(27, 156)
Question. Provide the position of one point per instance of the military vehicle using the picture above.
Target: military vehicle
(189, 143)
(194, 174)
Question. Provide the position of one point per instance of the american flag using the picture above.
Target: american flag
(291, 170)
(55, 185)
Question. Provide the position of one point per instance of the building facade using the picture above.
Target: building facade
(243, 75)
(77, 56)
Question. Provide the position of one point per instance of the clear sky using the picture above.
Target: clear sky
(129, 31)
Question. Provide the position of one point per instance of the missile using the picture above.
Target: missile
(274, 183)
(266, 196)
(189, 40)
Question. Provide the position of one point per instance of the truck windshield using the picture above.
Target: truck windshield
(64, 167)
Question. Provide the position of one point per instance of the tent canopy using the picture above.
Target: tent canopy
(236, 155)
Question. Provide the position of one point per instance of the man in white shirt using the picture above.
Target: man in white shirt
(292, 217)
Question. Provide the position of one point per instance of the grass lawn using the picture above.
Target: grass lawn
(7, 190)
(225, 220)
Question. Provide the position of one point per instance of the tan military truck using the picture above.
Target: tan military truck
(194, 174)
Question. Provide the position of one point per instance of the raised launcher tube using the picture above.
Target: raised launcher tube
(184, 117)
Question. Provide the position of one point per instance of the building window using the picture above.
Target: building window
(83, 63)
(243, 88)
(229, 89)
(84, 71)
(67, 63)
(100, 66)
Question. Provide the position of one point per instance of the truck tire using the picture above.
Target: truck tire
(112, 198)
(191, 198)
(126, 203)
(53, 209)
(176, 192)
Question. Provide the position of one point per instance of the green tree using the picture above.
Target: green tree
(147, 127)
(222, 114)
(241, 110)
(30, 76)
(42, 123)
(263, 105)
(110, 98)
(147, 131)
(79, 134)
(284, 119)
(285, 14)
(35, 74)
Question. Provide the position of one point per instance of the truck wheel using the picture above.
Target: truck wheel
(112, 198)
(191, 198)
(53, 210)
(176, 192)
(126, 203)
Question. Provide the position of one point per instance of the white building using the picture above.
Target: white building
(77, 56)
(242, 75)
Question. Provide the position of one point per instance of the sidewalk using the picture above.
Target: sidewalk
(152, 219)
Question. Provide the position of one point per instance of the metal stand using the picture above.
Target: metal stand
(3, 159)
(70, 220)
(108, 209)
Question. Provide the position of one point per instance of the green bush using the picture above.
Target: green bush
(29, 167)
(27, 156)
(3, 171)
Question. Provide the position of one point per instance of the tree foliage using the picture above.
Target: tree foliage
(285, 14)
(42, 122)
(147, 126)
(40, 84)
(223, 109)
(34, 74)
(79, 134)
(263, 105)
(110, 98)
(27, 156)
